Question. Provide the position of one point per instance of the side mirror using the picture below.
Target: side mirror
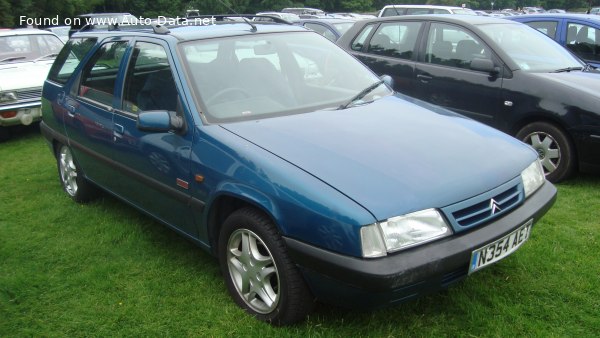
(484, 65)
(159, 121)
(388, 80)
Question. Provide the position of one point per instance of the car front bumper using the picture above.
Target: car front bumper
(20, 114)
(368, 283)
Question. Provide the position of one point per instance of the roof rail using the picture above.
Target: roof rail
(238, 17)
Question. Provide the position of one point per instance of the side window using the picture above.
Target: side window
(440, 11)
(68, 59)
(149, 84)
(395, 39)
(321, 30)
(546, 27)
(584, 41)
(417, 11)
(453, 46)
(100, 73)
(393, 11)
(359, 42)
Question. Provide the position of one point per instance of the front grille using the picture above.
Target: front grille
(25, 95)
(485, 207)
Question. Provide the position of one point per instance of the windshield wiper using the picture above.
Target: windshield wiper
(360, 95)
(13, 58)
(566, 70)
(46, 56)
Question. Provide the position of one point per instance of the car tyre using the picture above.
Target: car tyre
(555, 150)
(258, 272)
(71, 176)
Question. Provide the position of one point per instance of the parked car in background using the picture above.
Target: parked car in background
(61, 31)
(595, 11)
(330, 28)
(25, 58)
(492, 70)
(265, 16)
(355, 16)
(395, 10)
(290, 161)
(580, 33)
(304, 11)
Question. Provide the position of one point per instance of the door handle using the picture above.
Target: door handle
(424, 78)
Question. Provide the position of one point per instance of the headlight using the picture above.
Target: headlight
(533, 178)
(402, 232)
(8, 96)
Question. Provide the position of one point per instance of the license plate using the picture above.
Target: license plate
(493, 252)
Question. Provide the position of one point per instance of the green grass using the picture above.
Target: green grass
(104, 269)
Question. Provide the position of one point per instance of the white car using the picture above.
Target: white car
(26, 56)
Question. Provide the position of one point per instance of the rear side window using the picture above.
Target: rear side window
(546, 27)
(584, 41)
(100, 74)
(393, 11)
(321, 30)
(68, 59)
(359, 42)
(395, 39)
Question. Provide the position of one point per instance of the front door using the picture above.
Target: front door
(444, 76)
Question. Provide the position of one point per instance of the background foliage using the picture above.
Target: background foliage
(11, 10)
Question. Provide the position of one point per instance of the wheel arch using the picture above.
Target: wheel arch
(230, 199)
(538, 117)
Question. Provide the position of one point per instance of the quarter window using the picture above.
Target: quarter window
(321, 30)
(100, 74)
(359, 42)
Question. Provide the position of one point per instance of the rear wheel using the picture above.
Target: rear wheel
(555, 150)
(258, 273)
(71, 177)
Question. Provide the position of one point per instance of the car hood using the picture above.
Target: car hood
(586, 83)
(391, 156)
(23, 75)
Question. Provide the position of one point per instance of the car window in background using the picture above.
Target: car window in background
(359, 42)
(21, 48)
(523, 46)
(453, 46)
(546, 27)
(584, 41)
(395, 39)
(342, 27)
(321, 30)
(68, 59)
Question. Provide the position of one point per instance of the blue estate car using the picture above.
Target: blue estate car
(291, 162)
(578, 32)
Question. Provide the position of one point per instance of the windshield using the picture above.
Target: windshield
(265, 75)
(20, 48)
(531, 50)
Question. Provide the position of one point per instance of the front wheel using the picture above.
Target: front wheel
(71, 177)
(555, 150)
(258, 273)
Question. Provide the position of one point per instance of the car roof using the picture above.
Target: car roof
(193, 32)
(24, 31)
(453, 18)
(327, 20)
(595, 18)
(423, 6)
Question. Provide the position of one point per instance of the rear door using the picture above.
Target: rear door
(444, 76)
(390, 48)
(154, 166)
(88, 105)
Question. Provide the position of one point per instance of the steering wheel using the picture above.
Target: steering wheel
(232, 92)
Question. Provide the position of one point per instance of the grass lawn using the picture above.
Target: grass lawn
(104, 269)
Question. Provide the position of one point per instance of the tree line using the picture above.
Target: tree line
(12, 10)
